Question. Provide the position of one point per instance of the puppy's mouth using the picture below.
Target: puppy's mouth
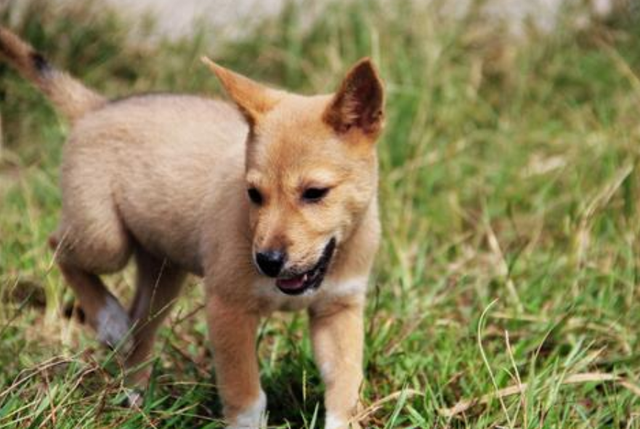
(311, 279)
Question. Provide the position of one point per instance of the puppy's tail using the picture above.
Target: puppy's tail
(70, 96)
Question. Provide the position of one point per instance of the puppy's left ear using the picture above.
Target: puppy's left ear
(253, 99)
(359, 103)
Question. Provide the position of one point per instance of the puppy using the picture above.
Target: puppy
(272, 200)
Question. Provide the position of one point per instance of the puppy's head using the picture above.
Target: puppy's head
(311, 170)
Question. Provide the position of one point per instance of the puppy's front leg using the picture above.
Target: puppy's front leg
(337, 336)
(233, 335)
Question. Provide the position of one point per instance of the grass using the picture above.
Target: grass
(509, 190)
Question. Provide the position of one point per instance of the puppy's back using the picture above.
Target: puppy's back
(162, 159)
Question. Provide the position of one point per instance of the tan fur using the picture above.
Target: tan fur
(166, 177)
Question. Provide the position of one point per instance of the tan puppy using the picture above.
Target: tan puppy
(273, 202)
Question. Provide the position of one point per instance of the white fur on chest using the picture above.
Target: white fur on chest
(272, 298)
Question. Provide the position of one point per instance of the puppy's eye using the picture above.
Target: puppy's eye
(313, 195)
(255, 196)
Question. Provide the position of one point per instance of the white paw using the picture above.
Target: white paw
(254, 416)
(113, 326)
(134, 398)
(332, 421)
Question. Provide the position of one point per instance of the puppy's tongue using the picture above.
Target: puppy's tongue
(292, 283)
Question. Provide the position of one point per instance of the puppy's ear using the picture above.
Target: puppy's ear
(359, 103)
(253, 99)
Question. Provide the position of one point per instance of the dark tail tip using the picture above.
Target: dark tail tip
(40, 63)
(22, 55)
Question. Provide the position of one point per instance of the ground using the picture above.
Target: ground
(508, 274)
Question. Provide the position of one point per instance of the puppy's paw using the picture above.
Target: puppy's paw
(253, 416)
(335, 422)
(133, 399)
(113, 326)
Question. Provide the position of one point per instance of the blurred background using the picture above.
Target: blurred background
(506, 289)
(233, 17)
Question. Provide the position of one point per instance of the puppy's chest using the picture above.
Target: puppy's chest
(272, 299)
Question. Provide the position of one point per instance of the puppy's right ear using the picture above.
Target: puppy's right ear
(253, 99)
(359, 102)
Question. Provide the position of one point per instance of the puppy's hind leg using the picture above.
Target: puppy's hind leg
(102, 310)
(157, 287)
(80, 260)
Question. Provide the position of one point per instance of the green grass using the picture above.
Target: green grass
(509, 190)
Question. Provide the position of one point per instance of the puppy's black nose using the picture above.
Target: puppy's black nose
(271, 262)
